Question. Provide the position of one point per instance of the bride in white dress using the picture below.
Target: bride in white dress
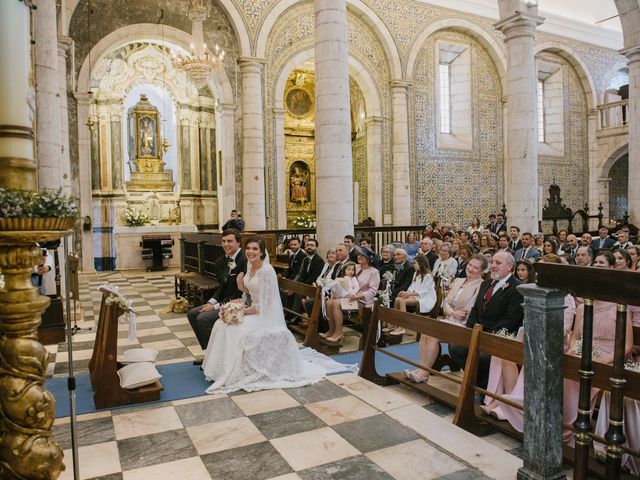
(259, 352)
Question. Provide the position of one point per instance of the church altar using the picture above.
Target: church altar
(129, 250)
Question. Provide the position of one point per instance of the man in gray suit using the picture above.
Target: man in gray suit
(527, 252)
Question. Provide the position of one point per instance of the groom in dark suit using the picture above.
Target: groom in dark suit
(227, 269)
(498, 305)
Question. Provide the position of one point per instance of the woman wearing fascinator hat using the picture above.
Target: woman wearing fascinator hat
(368, 282)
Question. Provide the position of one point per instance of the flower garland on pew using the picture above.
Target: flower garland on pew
(122, 302)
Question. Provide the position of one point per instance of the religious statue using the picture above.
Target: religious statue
(299, 183)
(154, 208)
(146, 149)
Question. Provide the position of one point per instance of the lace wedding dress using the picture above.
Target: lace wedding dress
(258, 353)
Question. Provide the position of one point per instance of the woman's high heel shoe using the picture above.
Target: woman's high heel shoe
(323, 335)
(336, 340)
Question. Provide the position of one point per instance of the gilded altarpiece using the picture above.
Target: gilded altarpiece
(455, 184)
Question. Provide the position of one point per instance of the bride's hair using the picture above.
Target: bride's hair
(261, 246)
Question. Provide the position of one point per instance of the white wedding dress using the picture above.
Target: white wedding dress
(259, 352)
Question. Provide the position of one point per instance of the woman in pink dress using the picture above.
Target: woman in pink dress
(456, 307)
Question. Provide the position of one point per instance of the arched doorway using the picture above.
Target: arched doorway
(619, 188)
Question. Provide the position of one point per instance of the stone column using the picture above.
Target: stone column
(633, 120)
(334, 165)
(521, 161)
(281, 188)
(227, 189)
(401, 192)
(594, 184)
(64, 45)
(48, 144)
(543, 383)
(374, 167)
(253, 190)
(85, 173)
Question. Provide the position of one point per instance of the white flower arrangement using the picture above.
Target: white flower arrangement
(47, 203)
(119, 300)
(503, 332)
(232, 312)
(384, 297)
(595, 349)
(304, 221)
(632, 366)
(134, 218)
(389, 276)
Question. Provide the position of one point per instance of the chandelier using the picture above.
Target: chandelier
(200, 65)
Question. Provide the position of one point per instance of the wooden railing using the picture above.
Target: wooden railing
(614, 114)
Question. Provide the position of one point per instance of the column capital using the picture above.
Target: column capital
(251, 64)
(64, 44)
(82, 98)
(227, 108)
(633, 53)
(400, 84)
(519, 25)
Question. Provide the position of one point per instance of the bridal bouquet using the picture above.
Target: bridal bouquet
(232, 311)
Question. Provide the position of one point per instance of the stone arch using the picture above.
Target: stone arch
(586, 79)
(237, 23)
(147, 31)
(464, 26)
(364, 12)
(373, 105)
(629, 12)
(613, 155)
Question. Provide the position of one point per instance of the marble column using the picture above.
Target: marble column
(334, 165)
(253, 190)
(594, 184)
(401, 186)
(543, 383)
(374, 167)
(64, 46)
(278, 125)
(84, 173)
(521, 160)
(633, 120)
(227, 175)
(48, 144)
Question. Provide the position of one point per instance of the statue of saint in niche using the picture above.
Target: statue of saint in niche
(147, 137)
(299, 183)
(298, 102)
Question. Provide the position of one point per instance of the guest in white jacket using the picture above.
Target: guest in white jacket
(422, 291)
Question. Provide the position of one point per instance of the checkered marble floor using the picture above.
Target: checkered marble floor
(341, 428)
(169, 333)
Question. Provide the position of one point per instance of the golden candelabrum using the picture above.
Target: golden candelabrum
(27, 410)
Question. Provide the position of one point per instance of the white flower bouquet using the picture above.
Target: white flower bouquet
(134, 218)
(503, 332)
(632, 366)
(121, 301)
(384, 297)
(232, 311)
(577, 349)
(388, 276)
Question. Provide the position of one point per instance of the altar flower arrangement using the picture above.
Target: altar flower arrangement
(595, 349)
(304, 221)
(134, 218)
(232, 311)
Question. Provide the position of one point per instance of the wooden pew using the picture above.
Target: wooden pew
(310, 332)
(445, 331)
(103, 366)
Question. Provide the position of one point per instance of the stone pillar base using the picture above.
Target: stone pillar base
(526, 474)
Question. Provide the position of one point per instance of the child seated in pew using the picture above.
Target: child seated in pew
(456, 306)
(342, 288)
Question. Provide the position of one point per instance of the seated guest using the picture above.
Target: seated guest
(422, 292)
(623, 260)
(634, 252)
(312, 265)
(226, 268)
(550, 246)
(402, 279)
(368, 281)
(491, 226)
(330, 269)
(485, 243)
(446, 266)
(475, 241)
(295, 259)
(411, 245)
(584, 256)
(603, 240)
(504, 377)
(365, 242)
(498, 306)
(503, 245)
(562, 239)
(585, 239)
(350, 242)
(623, 240)
(283, 248)
(234, 222)
(527, 252)
(538, 240)
(426, 249)
(465, 237)
(342, 289)
(514, 241)
(475, 226)
(456, 307)
(525, 272)
(500, 225)
(464, 255)
(386, 263)
(572, 245)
